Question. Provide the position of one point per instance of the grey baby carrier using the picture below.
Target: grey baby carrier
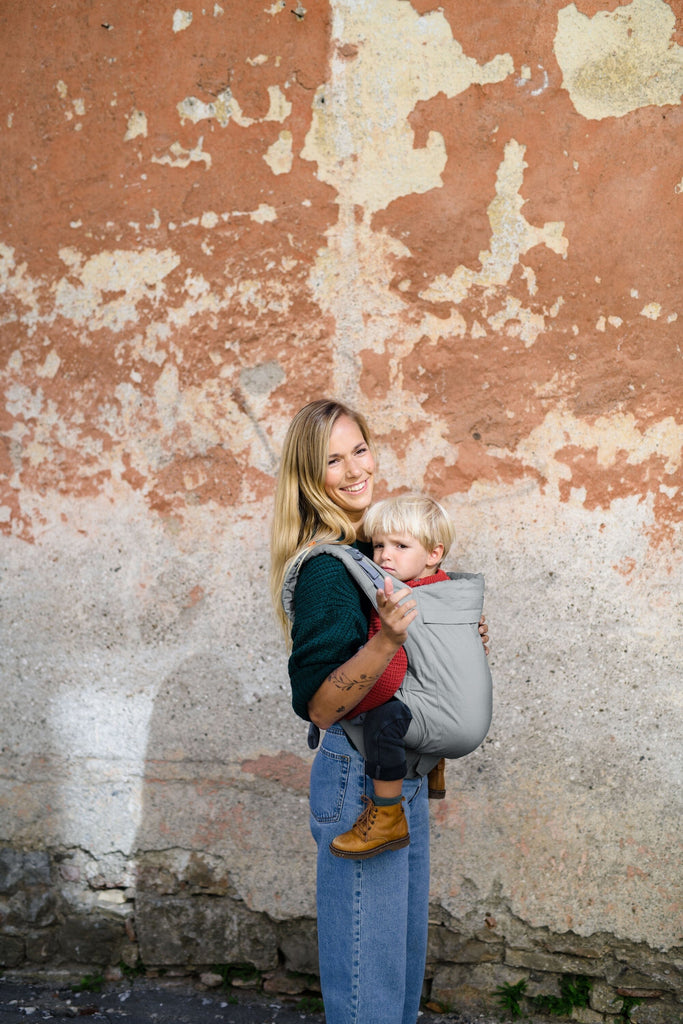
(447, 686)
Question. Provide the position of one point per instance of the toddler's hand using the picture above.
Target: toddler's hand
(395, 617)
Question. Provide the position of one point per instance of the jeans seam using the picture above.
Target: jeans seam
(357, 922)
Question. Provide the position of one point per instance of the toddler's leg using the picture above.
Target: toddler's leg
(382, 825)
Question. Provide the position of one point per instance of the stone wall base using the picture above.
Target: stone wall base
(173, 914)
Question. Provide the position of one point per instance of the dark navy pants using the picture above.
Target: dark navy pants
(383, 731)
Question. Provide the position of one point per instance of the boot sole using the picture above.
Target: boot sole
(437, 794)
(396, 844)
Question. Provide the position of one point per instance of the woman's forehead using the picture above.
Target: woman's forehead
(345, 433)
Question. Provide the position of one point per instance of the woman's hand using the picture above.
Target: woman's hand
(339, 693)
(395, 617)
(484, 633)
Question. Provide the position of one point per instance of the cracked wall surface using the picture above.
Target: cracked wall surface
(464, 219)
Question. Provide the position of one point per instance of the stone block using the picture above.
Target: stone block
(584, 1015)
(23, 868)
(203, 929)
(84, 939)
(454, 947)
(593, 946)
(11, 950)
(658, 1012)
(471, 988)
(604, 999)
(42, 946)
(298, 942)
(176, 872)
(537, 960)
(284, 983)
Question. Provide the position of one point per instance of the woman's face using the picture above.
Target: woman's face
(349, 479)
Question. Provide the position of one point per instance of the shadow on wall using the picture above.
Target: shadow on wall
(223, 842)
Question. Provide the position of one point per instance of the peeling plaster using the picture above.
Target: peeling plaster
(279, 156)
(137, 126)
(225, 109)
(360, 137)
(180, 157)
(362, 143)
(610, 437)
(621, 60)
(137, 275)
(511, 237)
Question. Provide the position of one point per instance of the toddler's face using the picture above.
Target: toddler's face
(403, 556)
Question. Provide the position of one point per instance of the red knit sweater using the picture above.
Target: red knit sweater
(392, 677)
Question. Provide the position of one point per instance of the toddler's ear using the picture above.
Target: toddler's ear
(436, 555)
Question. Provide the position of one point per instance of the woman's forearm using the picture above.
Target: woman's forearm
(347, 685)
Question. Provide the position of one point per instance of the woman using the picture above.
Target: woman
(372, 914)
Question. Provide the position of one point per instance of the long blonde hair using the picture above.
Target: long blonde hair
(304, 514)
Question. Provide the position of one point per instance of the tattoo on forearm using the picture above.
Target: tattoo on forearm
(345, 684)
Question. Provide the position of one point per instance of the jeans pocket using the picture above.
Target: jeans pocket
(329, 779)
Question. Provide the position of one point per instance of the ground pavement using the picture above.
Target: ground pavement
(144, 1001)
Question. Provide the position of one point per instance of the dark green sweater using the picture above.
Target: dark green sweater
(331, 618)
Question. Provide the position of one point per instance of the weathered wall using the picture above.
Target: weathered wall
(463, 218)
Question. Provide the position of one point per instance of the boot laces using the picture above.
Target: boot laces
(366, 819)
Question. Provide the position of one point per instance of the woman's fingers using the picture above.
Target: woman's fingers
(484, 633)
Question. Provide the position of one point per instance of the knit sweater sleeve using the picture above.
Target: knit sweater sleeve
(330, 626)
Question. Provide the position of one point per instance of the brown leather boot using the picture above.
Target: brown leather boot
(436, 781)
(376, 829)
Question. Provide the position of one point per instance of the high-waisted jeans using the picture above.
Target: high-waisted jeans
(372, 914)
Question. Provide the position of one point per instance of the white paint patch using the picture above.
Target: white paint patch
(279, 155)
(610, 436)
(137, 125)
(621, 60)
(131, 275)
(180, 157)
(50, 366)
(265, 214)
(181, 20)
(225, 108)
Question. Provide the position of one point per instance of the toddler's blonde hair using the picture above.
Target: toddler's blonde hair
(415, 514)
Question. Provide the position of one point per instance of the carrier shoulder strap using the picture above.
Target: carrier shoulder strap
(369, 576)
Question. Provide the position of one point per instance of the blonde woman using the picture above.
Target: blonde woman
(372, 914)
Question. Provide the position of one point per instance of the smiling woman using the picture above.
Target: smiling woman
(371, 963)
(349, 480)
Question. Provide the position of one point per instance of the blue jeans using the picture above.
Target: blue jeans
(372, 914)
